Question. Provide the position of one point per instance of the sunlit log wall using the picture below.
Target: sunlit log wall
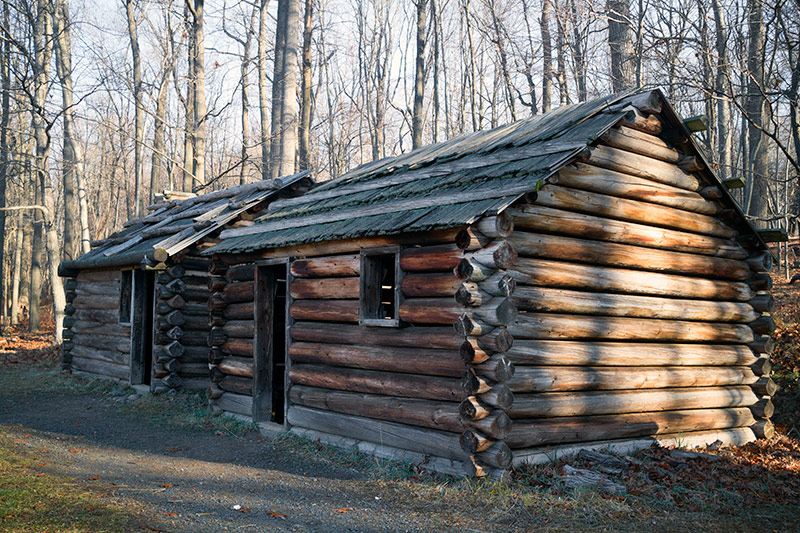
(180, 324)
(639, 311)
(95, 342)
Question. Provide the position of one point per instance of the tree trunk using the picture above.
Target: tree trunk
(139, 117)
(277, 93)
(5, 109)
(756, 201)
(547, 55)
(305, 90)
(620, 44)
(289, 119)
(262, 88)
(417, 119)
(199, 78)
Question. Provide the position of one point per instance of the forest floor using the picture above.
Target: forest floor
(86, 455)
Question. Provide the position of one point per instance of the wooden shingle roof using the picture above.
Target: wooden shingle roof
(453, 183)
(178, 224)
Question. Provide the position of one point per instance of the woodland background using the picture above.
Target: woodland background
(104, 104)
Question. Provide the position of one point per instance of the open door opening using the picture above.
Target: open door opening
(269, 394)
(142, 327)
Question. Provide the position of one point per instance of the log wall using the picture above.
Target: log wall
(94, 340)
(638, 309)
(392, 386)
(231, 337)
(180, 323)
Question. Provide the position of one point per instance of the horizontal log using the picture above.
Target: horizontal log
(626, 256)
(641, 143)
(527, 433)
(497, 368)
(576, 353)
(498, 455)
(764, 324)
(762, 366)
(216, 283)
(389, 359)
(217, 267)
(196, 263)
(550, 404)
(110, 343)
(114, 328)
(764, 408)
(473, 441)
(244, 272)
(559, 274)
(430, 310)
(763, 303)
(101, 368)
(472, 239)
(644, 122)
(97, 288)
(566, 378)
(70, 284)
(535, 218)
(238, 346)
(238, 292)
(764, 386)
(762, 345)
(96, 301)
(498, 311)
(239, 311)
(239, 328)
(176, 301)
(235, 384)
(239, 404)
(760, 262)
(430, 285)
(85, 276)
(760, 282)
(603, 205)
(474, 409)
(555, 326)
(195, 294)
(545, 299)
(325, 310)
(495, 426)
(499, 396)
(763, 429)
(427, 441)
(374, 382)
(237, 366)
(500, 225)
(469, 325)
(500, 254)
(416, 337)
(642, 167)
(423, 413)
(99, 354)
(335, 266)
(325, 288)
(476, 350)
(441, 258)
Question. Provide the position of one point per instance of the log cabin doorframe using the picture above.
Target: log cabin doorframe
(142, 327)
(271, 343)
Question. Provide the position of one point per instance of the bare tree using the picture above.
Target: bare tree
(620, 44)
(417, 118)
(138, 139)
(306, 100)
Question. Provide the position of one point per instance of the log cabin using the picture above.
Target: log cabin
(579, 279)
(137, 308)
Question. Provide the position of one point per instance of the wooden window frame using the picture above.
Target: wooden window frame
(122, 275)
(365, 289)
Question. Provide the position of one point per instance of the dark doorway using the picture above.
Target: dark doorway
(269, 390)
(142, 327)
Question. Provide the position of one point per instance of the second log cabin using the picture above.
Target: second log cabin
(580, 279)
(138, 302)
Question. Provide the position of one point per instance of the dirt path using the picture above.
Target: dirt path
(185, 480)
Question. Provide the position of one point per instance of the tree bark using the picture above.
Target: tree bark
(305, 89)
(262, 88)
(620, 44)
(289, 119)
(138, 138)
(199, 106)
(417, 118)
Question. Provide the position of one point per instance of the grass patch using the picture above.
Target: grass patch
(43, 378)
(35, 501)
(185, 410)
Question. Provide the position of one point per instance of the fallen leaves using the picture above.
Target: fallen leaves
(176, 449)
(277, 515)
(343, 510)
